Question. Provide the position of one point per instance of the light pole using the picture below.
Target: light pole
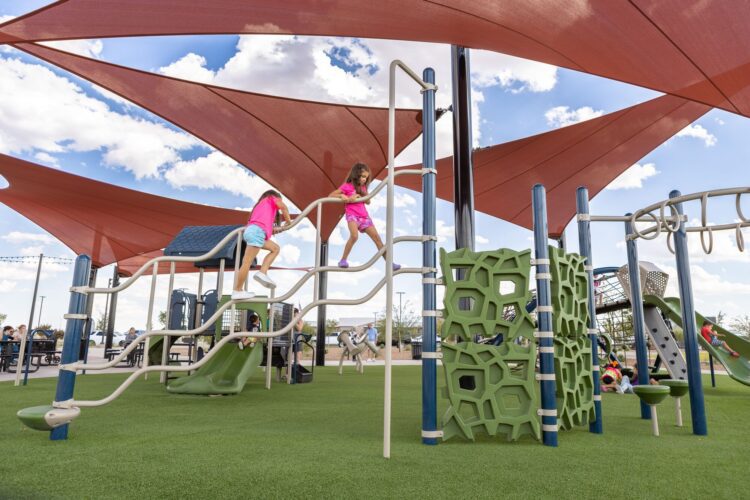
(41, 306)
(400, 296)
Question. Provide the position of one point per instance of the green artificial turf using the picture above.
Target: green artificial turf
(324, 440)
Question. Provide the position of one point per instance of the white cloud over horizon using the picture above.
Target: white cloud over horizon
(698, 132)
(562, 116)
(633, 177)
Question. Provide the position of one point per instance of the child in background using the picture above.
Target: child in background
(611, 378)
(357, 218)
(254, 327)
(257, 235)
(708, 333)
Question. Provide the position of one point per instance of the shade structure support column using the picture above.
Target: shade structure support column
(544, 332)
(429, 294)
(636, 303)
(584, 246)
(110, 326)
(463, 187)
(72, 340)
(320, 344)
(690, 331)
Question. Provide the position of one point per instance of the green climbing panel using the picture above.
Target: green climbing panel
(573, 375)
(494, 289)
(490, 388)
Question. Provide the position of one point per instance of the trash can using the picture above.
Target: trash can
(416, 350)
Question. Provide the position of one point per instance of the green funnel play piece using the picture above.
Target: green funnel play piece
(651, 394)
(677, 388)
(47, 417)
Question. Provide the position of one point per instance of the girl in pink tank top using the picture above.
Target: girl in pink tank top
(260, 227)
(357, 218)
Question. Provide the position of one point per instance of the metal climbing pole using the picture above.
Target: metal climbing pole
(463, 183)
(636, 303)
(697, 408)
(76, 319)
(584, 246)
(430, 433)
(544, 332)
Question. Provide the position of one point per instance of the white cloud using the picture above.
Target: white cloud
(444, 231)
(698, 132)
(7, 285)
(289, 254)
(85, 48)
(17, 237)
(562, 116)
(47, 159)
(216, 171)
(190, 67)
(32, 250)
(490, 69)
(75, 122)
(633, 177)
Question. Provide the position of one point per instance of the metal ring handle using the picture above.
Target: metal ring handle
(738, 204)
(670, 247)
(641, 235)
(675, 215)
(739, 237)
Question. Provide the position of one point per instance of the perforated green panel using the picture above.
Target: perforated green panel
(494, 293)
(491, 389)
(573, 375)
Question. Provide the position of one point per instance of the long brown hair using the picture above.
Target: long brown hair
(268, 194)
(353, 178)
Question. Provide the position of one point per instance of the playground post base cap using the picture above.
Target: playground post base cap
(677, 388)
(47, 417)
(651, 394)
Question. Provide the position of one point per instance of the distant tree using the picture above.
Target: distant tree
(163, 318)
(741, 325)
(101, 323)
(2, 317)
(720, 317)
(332, 325)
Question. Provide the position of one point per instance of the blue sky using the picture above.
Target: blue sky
(513, 98)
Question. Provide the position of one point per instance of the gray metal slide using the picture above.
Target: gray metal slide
(665, 344)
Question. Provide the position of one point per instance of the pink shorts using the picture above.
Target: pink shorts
(362, 222)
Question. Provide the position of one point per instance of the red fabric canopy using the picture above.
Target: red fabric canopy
(697, 50)
(304, 149)
(591, 153)
(108, 223)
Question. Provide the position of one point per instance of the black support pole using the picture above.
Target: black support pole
(320, 343)
(110, 326)
(463, 187)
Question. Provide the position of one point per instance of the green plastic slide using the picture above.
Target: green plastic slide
(737, 368)
(225, 373)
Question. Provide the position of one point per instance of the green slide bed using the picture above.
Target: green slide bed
(737, 368)
(225, 373)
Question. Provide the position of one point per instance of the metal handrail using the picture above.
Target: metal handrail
(226, 339)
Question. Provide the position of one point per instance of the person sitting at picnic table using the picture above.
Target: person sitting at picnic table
(8, 332)
(131, 335)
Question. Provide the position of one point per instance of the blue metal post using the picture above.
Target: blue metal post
(584, 245)
(690, 331)
(636, 303)
(429, 299)
(72, 341)
(711, 367)
(544, 317)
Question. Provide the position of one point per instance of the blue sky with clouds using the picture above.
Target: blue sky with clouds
(74, 127)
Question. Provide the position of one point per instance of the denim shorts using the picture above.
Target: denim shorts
(254, 236)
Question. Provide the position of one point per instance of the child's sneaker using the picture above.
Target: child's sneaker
(240, 345)
(264, 280)
(242, 295)
(396, 267)
(343, 264)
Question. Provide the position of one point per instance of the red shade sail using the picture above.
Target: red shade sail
(592, 154)
(304, 149)
(107, 222)
(696, 50)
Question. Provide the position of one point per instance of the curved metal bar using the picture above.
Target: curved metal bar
(739, 238)
(173, 368)
(199, 258)
(656, 228)
(710, 232)
(220, 310)
(738, 205)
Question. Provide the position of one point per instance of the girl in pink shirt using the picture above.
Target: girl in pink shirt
(357, 218)
(260, 227)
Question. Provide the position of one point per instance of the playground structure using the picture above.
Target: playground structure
(65, 408)
(355, 350)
